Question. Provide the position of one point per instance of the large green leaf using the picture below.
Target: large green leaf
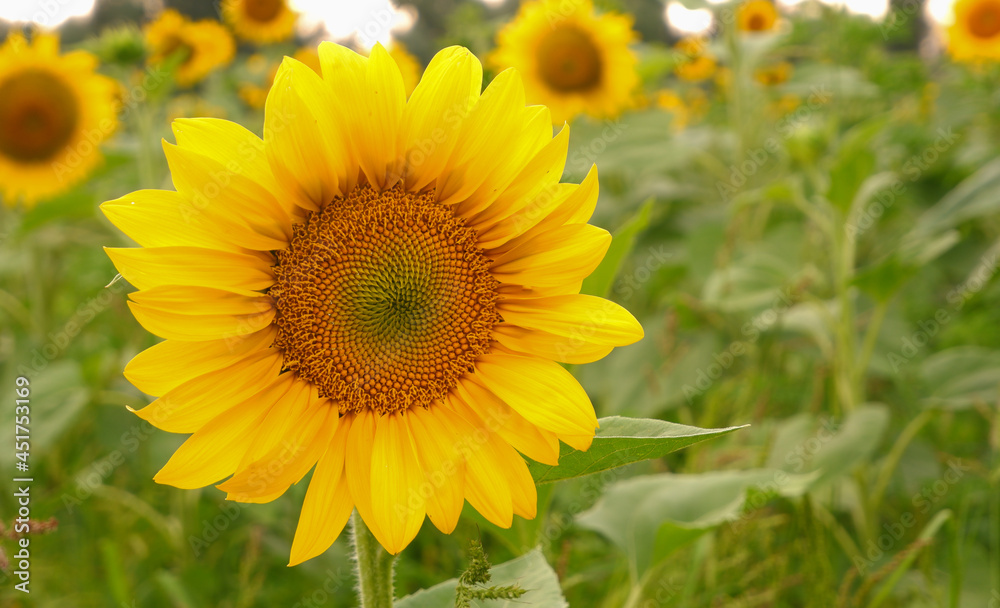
(650, 517)
(530, 571)
(622, 441)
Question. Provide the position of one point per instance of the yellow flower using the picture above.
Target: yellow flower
(572, 60)
(381, 287)
(694, 62)
(205, 44)
(55, 111)
(260, 21)
(975, 34)
(775, 74)
(756, 16)
(675, 106)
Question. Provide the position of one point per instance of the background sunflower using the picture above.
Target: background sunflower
(573, 59)
(55, 111)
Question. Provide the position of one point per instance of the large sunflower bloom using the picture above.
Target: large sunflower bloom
(573, 60)
(206, 45)
(381, 287)
(975, 33)
(55, 111)
(260, 21)
(756, 16)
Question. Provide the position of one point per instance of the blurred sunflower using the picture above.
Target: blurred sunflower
(260, 21)
(694, 62)
(573, 60)
(355, 297)
(975, 33)
(756, 16)
(774, 74)
(205, 44)
(55, 111)
(672, 103)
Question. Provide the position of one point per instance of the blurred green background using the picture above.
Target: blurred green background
(815, 257)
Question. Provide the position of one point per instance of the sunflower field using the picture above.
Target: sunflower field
(500, 303)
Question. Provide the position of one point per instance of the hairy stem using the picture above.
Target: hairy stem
(373, 566)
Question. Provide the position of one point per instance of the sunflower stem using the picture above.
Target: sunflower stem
(373, 565)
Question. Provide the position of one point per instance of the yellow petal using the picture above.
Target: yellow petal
(200, 313)
(434, 114)
(398, 486)
(286, 463)
(542, 391)
(493, 121)
(486, 485)
(291, 410)
(171, 363)
(190, 406)
(563, 255)
(542, 173)
(328, 502)
(227, 191)
(513, 150)
(553, 207)
(442, 464)
(358, 468)
(549, 346)
(159, 218)
(229, 142)
(582, 318)
(383, 99)
(215, 450)
(535, 443)
(305, 142)
(344, 73)
(154, 266)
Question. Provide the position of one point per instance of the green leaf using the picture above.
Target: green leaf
(976, 196)
(622, 441)
(530, 571)
(854, 164)
(600, 281)
(961, 377)
(650, 517)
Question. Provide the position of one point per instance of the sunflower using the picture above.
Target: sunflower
(205, 44)
(694, 62)
(774, 74)
(573, 60)
(260, 21)
(381, 287)
(756, 16)
(409, 66)
(55, 111)
(975, 33)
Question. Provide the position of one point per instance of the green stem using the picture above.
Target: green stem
(373, 566)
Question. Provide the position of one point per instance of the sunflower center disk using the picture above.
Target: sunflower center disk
(757, 22)
(984, 22)
(384, 300)
(262, 10)
(38, 114)
(569, 60)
